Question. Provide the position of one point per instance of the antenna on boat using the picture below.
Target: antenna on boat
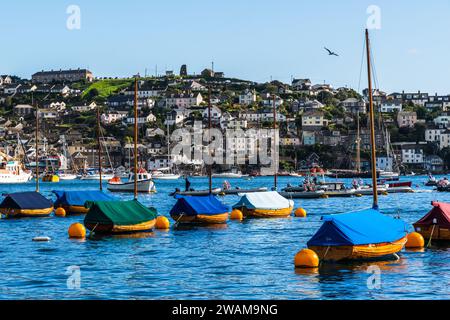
(99, 149)
(275, 176)
(209, 132)
(37, 150)
(372, 126)
(135, 137)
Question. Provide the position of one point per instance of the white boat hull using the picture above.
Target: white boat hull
(166, 177)
(97, 177)
(67, 177)
(143, 186)
(227, 175)
(13, 178)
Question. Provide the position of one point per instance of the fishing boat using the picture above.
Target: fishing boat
(435, 225)
(12, 172)
(26, 204)
(264, 205)
(73, 202)
(199, 210)
(145, 183)
(117, 217)
(365, 234)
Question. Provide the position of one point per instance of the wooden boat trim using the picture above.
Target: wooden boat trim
(116, 229)
(220, 218)
(26, 212)
(267, 213)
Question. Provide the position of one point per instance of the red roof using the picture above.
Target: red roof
(440, 215)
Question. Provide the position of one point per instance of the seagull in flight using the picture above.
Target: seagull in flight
(331, 53)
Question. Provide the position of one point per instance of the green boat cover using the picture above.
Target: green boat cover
(119, 213)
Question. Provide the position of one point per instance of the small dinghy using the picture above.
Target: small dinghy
(436, 223)
(264, 205)
(73, 202)
(199, 210)
(117, 217)
(26, 204)
(304, 194)
(197, 193)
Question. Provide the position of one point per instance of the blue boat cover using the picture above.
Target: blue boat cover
(79, 198)
(26, 200)
(204, 205)
(359, 228)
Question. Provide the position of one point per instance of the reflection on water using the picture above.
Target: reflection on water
(242, 260)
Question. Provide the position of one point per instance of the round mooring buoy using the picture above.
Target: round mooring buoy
(306, 258)
(415, 240)
(162, 223)
(236, 215)
(60, 212)
(300, 212)
(77, 230)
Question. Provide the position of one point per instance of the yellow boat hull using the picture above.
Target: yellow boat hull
(202, 219)
(75, 209)
(26, 213)
(267, 213)
(116, 229)
(361, 252)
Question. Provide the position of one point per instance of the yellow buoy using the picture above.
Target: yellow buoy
(60, 212)
(236, 215)
(359, 195)
(162, 223)
(77, 230)
(306, 259)
(300, 212)
(415, 240)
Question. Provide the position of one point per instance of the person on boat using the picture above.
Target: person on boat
(355, 184)
(188, 183)
(444, 182)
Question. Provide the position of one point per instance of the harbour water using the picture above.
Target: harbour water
(248, 260)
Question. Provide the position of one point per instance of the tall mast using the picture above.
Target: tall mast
(37, 150)
(275, 176)
(358, 145)
(135, 138)
(209, 131)
(99, 148)
(372, 125)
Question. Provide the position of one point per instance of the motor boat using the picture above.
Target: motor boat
(158, 175)
(67, 176)
(12, 173)
(145, 183)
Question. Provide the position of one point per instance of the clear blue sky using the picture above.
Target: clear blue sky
(248, 38)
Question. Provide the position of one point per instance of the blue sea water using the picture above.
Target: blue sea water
(244, 260)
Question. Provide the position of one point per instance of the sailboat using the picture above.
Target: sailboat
(266, 204)
(64, 175)
(365, 234)
(203, 209)
(140, 180)
(116, 217)
(27, 204)
(74, 202)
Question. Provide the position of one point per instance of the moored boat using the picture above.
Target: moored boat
(436, 223)
(73, 202)
(117, 217)
(303, 194)
(67, 176)
(12, 172)
(199, 210)
(145, 183)
(335, 189)
(50, 177)
(26, 204)
(264, 205)
(400, 187)
(366, 234)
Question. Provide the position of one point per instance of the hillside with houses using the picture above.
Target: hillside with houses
(315, 120)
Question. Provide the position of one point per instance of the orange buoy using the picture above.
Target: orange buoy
(300, 212)
(162, 223)
(236, 215)
(415, 240)
(77, 230)
(60, 212)
(306, 258)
